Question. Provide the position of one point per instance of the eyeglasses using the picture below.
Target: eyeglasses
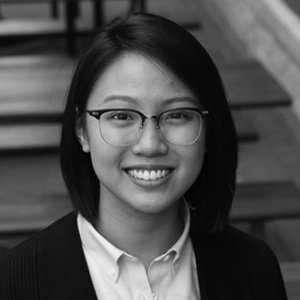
(123, 127)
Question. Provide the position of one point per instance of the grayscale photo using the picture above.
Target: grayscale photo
(149, 150)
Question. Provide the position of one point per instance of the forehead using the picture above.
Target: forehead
(134, 76)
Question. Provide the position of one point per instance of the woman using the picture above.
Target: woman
(149, 156)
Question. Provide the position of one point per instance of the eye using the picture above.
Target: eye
(178, 115)
(120, 115)
(120, 118)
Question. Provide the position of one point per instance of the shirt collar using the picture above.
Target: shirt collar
(103, 253)
(107, 256)
(178, 247)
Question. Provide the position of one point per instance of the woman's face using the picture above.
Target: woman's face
(136, 82)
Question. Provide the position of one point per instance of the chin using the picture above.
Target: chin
(155, 205)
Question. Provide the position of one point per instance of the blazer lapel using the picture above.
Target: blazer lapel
(68, 276)
(215, 267)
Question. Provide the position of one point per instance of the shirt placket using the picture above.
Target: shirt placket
(141, 289)
(159, 274)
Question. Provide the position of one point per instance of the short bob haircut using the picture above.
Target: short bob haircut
(178, 51)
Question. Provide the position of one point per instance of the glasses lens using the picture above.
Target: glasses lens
(181, 127)
(122, 127)
(119, 127)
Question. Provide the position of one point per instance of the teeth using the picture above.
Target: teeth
(153, 175)
(149, 174)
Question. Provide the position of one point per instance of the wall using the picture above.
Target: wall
(270, 32)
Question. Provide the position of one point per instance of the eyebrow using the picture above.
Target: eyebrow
(120, 97)
(180, 100)
(165, 102)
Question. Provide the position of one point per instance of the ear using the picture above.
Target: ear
(82, 136)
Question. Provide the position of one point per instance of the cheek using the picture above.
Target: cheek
(100, 152)
(105, 159)
(193, 162)
(199, 153)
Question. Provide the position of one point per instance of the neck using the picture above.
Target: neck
(145, 236)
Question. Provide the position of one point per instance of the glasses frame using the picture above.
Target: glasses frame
(98, 112)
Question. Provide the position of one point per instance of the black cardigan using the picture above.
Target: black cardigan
(51, 266)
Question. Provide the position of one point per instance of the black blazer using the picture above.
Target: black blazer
(51, 265)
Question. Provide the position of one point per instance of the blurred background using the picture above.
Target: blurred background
(255, 44)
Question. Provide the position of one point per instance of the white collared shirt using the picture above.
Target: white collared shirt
(119, 275)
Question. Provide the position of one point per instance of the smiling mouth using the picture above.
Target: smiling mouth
(149, 175)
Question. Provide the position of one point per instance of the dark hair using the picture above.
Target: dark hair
(171, 45)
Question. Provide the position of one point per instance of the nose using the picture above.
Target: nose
(150, 142)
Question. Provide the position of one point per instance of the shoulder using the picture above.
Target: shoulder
(16, 268)
(232, 241)
(19, 269)
(252, 255)
(54, 233)
(248, 248)
(243, 263)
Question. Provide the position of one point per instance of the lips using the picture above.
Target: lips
(149, 174)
